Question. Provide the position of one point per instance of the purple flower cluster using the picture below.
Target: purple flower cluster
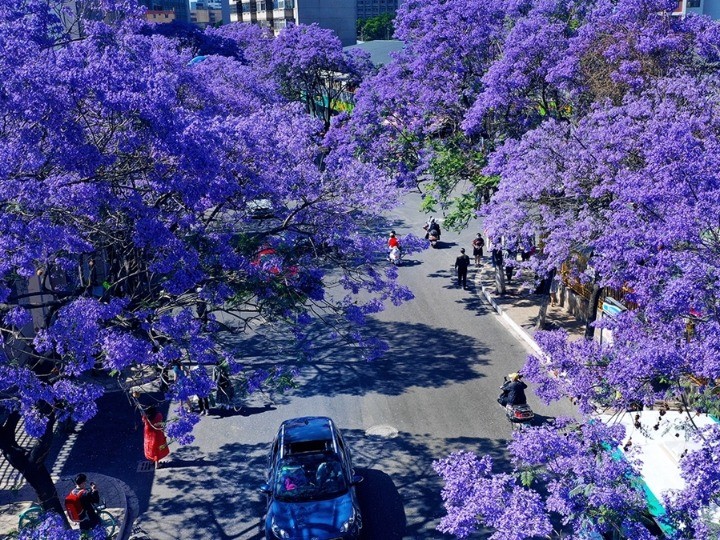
(133, 186)
(567, 472)
(592, 128)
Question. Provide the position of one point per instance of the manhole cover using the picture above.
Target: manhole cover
(145, 466)
(387, 432)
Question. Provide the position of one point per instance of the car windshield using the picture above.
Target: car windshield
(309, 478)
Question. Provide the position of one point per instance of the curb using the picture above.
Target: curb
(519, 330)
(122, 527)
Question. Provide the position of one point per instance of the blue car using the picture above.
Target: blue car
(311, 484)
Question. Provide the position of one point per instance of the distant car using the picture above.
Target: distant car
(311, 483)
(261, 209)
(269, 259)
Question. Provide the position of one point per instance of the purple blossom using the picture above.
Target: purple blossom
(18, 317)
(127, 187)
(51, 526)
(473, 495)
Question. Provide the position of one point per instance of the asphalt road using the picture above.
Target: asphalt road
(432, 394)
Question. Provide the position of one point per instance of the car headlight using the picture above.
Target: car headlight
(277, 531)
(348, 525)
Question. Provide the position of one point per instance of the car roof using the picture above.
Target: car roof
(307, 429)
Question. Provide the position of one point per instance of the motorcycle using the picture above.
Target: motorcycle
(432, 232)
(395, 256)
(514, 413)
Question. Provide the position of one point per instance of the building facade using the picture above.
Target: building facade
(711, 8)
(160, 16)
(206, 13)
(372, 8)
(180, 8)
(336, 15)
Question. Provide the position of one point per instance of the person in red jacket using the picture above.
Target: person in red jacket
(393, 242)
(80, 504)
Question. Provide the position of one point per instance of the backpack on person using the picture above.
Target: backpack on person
(73, 505)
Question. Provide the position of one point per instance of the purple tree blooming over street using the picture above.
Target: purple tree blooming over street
(311, 67)
(595, 124)
(152, 205)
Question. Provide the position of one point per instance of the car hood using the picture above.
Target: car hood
(312, 520)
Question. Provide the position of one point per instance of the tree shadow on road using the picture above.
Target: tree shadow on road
(399, 496)
(419, 355)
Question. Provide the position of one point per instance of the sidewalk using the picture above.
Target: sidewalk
(16, 496)
(112, 491)
(519, 307)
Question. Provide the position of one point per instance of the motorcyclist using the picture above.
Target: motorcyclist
(513, 391)
(434, 228)
(394, 250)
(393, 242)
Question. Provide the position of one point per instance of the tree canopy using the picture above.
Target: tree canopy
(378, 27)
(594, 124)
(130, 238)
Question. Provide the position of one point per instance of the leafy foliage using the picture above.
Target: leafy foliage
(130, 239)
(598, 120)
(378, 27)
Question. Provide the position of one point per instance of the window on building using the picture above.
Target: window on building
(693, 3)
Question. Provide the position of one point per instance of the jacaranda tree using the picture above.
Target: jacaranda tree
(599, 120)
(311, 67)
(132, 181)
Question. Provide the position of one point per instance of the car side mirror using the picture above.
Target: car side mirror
(265, 488)
(356, 479)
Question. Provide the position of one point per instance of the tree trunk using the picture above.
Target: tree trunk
(545, 292)
(592, 308)
(497, 261)
(31, 462)
(542, 314)
(499, 280)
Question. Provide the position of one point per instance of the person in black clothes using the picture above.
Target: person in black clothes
(478, 244)
(461, 264)
(514, 390)
(89, 518)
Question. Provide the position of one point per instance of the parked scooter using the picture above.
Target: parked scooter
(512, 391)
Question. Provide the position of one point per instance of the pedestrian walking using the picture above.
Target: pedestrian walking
(204, 405)
(478, 245)
(554, 287)
(461, 265)
(225, 391)
(155, 443)
(180, 372)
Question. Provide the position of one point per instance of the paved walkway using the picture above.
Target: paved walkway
(520, 306)
(16, 496)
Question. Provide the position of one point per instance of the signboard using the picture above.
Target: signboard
(612, 307)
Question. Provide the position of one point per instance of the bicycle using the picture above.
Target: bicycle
(33, 516)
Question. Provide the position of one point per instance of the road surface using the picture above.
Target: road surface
(432, 394)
